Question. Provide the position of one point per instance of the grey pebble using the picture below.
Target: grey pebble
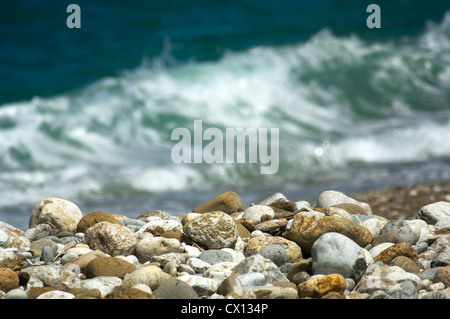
(252, 279)
(275, 253)
(215, 256)
(47, 254)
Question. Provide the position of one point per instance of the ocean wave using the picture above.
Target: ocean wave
(336, 101)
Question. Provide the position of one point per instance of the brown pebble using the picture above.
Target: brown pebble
(400, 249)
(406, 264)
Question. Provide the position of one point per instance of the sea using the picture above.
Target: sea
(87, 113)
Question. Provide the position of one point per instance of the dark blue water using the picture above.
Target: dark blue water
(87, 114)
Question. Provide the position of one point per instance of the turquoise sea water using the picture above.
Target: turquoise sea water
(87, 114)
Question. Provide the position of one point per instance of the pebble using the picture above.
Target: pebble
(56, 295)
(201, 285)
(334, 253)
(401, 230)
(320, 286)
(432, 213)
(275, 253)
(60, 214)
(214, 256)
(17, 293)
(113, 239)
(292, 250)
(340, 249)
(308, 227)
(256, 213)
(332, 198)
(148, 247)
(212, 230)
(252, 279)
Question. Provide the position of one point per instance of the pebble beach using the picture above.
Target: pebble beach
(386, 244)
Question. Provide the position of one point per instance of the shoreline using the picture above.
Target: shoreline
(339, 248)
(391, 202)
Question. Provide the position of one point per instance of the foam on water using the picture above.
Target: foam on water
(336, 100)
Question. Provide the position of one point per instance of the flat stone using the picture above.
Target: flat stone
(432, 213)
(214, 256)
(56, 294)
(273, 224)
(333, 198)
(228, 202)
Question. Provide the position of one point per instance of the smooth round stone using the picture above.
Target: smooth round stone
(256, 212)
(332, 198)
(105, 284)
(214, 256)
(175, 289)
(334, 253)
(252, 279)
(56, 294)
(68, 258)
(401, 230)
(421, 247)
(17, 293)
(275, 253)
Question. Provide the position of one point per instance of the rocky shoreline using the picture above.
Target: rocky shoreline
(376, 245)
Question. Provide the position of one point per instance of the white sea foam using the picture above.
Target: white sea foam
(336, 101)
